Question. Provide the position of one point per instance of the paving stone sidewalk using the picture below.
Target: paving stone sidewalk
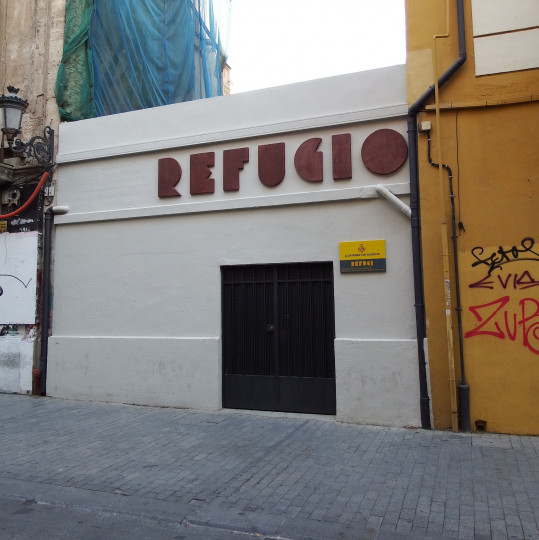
(72, 469)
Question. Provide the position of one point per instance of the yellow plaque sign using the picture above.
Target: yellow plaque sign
(363, 256)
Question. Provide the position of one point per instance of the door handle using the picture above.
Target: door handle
(270, 328)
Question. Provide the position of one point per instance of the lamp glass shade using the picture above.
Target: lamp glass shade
(11, 119)
(12, 108)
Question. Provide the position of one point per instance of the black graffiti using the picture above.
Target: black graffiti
(503, 256)
(25, 285)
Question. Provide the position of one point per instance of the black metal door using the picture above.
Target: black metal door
(278, 337)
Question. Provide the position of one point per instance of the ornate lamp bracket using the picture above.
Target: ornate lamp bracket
(40, 148)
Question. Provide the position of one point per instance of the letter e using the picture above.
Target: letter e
(201, 180)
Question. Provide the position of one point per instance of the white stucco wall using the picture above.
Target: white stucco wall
(18, 286)
(505, 39)
(137, 291)
(16, 357)
(18, 263)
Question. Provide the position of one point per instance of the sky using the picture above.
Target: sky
(274, 42)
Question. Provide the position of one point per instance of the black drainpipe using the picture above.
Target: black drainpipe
(413, 111)
(45, 291)
(45, 304)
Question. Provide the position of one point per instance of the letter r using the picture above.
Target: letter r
(169, 173)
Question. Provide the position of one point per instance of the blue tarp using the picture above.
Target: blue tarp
(145, 53)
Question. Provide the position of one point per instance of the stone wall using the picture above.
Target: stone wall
(30, 52)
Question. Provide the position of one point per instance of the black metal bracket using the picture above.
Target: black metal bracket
(40, 148)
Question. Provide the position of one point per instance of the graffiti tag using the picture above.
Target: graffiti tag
(519, 282)
(503, 256)
(497, 319)
(25, 285)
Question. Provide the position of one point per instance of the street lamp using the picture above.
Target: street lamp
(40, 147)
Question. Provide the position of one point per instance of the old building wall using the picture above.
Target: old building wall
(31, 49)
(484, 127)
(30, 52)
(162, 252)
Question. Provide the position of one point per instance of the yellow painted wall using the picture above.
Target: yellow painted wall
(489, 131)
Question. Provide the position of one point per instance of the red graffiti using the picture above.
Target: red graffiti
(497, 319)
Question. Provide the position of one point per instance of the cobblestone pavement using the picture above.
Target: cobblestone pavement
(71, 469)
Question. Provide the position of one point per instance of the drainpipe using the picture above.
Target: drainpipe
(393, 200)
(463, 388)
(45, 300)
(413, 111)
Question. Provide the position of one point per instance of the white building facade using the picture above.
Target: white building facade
(235, 252)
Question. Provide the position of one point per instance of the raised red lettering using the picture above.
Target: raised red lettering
(342, 156)
(384, 151)
(201, 180)
(271, 164)
(309, 162)
(169, 173)
(233, 162)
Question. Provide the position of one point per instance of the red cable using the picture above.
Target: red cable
(32, 197)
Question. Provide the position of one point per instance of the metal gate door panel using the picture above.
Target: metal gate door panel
(306, 338)
(255, 392)
(278, 333)
(248, 347)
(307, 395)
